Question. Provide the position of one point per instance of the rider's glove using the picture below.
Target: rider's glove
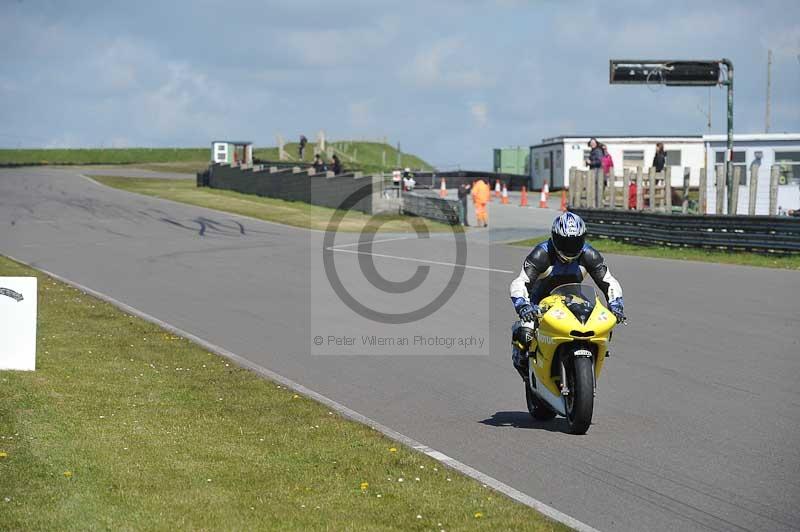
(526, 311)
(616, 307)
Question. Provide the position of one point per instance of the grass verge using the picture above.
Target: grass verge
(356, 155)
(764, 260)
(125, 426)
(294, 213)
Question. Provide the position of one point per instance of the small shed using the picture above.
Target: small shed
(232, 152)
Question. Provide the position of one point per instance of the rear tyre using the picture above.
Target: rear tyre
(538, 409)
(580, 401)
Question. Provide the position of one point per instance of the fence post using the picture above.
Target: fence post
(583, 190)
(737, 178)
(612, 190)
(774, 175)
(639, 190)
(571, 188)
(753, 194)
(668, 189)
(601, 188)
(685, 204)
(626, 188)
(591, 185)
(651, 178)
(702, 200)
(586, 176)
(720, 169)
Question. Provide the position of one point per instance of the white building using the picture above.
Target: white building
(232, 152)
(553, 158)
(772, 148)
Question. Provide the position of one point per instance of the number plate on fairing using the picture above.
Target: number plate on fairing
(583, 353)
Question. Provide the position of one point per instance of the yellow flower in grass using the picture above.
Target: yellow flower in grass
(68, 474)
(478, 515)
(392, 449)
(3, 454)
(364, 486)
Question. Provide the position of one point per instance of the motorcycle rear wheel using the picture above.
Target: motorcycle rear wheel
(538, 409)
(580, 401)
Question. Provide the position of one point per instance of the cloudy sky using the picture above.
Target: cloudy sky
(447, 79)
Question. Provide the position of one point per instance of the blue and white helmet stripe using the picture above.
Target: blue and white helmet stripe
(569, 224)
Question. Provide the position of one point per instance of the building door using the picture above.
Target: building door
(552, 170)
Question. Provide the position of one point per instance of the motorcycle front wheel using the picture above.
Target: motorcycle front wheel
(580, 401)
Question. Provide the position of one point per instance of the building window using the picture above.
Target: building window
(789, 162)
(546, 162)
(536, 166)
(739, 157)
(674, 158)
(632, 158)
(558, 159)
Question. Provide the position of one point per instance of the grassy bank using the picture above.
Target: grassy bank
(294, 213)
(365, 156)
(764, 260)
(124, 426)
(103, 155)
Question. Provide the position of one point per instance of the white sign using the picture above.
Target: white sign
(18, 323)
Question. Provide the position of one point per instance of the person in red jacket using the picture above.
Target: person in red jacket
(632, 197)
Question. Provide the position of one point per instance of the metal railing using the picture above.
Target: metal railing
(752, 233)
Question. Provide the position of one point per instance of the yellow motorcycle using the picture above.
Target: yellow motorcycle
(566, 355)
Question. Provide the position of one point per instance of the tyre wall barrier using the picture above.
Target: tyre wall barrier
(456, 178)
(292, 184)
(779, 234)
(440, 209)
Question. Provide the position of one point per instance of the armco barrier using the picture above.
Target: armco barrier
(434, 208)
(756, 233)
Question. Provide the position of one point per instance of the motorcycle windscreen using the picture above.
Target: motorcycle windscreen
(578, 298)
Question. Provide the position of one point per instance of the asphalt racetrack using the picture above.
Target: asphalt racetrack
(697, 418)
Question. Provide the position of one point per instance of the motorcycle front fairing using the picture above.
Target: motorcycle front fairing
(574, 323)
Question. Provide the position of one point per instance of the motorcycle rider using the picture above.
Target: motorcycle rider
(564, 258)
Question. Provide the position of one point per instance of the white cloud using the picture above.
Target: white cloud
(480, 113)
(443, 65)
(361, 115)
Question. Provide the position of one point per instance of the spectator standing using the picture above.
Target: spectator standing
(660, 158)
(463, 192)
(319, 164)
(337, 165)
(301, 148)
(607, 164)
(595, 159)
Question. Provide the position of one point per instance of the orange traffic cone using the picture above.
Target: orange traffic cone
(523, 199)
(563, 200)
(542, 200)
(443, 190)
(504, 201)
(497, 188)
(547, 190)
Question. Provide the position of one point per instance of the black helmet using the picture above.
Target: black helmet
(568, 236)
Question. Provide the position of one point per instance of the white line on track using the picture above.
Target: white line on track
(425, 261)
(373, 242)
(442, 458)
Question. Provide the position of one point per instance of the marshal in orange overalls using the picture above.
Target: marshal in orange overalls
(480, 197)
